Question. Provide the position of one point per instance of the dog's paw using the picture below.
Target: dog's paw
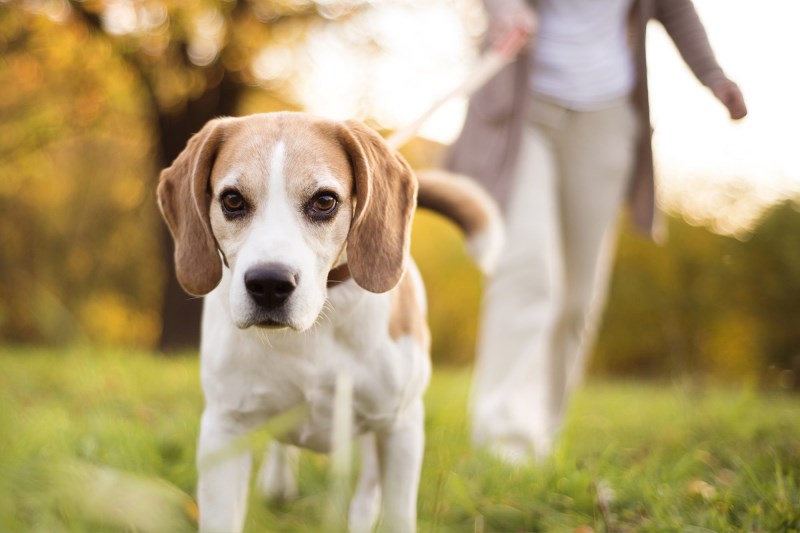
(277, 479)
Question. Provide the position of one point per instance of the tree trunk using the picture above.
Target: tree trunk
(180, 313)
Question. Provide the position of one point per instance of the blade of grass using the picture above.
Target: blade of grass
(335, 518)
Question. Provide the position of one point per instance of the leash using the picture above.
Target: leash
(491, 62)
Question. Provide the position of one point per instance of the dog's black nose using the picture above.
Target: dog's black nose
(270, 285)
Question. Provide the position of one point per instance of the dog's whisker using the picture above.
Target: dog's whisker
(264, 337)
(320, 318)
(324, 313)
(324, 317)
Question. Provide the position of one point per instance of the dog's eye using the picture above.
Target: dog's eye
(323, 205)
(233, 203)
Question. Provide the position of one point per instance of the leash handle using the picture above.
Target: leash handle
(502, 52)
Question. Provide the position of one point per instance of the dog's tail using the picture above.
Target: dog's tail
(463, 201)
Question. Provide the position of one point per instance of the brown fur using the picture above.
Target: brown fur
(406, 317)
(457, 198)
(184, 202)
(386, 191)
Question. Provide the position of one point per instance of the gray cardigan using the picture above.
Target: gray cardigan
(488, 146)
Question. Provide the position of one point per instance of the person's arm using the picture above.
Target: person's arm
(684, 27)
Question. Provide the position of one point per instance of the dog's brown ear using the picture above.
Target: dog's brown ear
(386, 193)
(183, 200)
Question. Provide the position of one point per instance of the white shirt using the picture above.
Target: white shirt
(581, 54)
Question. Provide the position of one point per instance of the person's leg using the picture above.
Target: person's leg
(596, 155)
(509, 406)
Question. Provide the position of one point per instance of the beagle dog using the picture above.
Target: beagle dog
(296, 231)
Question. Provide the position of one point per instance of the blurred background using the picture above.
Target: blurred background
(98, 95)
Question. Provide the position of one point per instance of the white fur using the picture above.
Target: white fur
(485, 247)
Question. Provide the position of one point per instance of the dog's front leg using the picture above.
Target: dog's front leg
(365, 505)
(224, 474)
(400, 451)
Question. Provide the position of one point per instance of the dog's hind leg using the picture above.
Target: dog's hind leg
(365, 505)
(277, 478)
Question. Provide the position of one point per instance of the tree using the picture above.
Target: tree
(708, 303)
(75, 215)
(771, 276)
(193, 62)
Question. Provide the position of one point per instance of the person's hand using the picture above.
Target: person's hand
(521, 18)
(731, 97)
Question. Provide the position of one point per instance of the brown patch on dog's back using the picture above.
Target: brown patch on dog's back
(406, 317)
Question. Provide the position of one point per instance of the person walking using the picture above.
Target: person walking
(561, 139)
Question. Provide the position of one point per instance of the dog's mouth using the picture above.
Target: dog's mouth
(271, 323)
(261, 319)
(274, 320)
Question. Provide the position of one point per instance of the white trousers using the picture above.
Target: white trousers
(541, 307)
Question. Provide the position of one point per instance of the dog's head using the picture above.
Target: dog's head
(282, 199)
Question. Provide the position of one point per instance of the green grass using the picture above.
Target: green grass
(94, 440)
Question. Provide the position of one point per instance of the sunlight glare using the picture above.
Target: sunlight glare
(394, 61)
(725, 173)
(407, 55)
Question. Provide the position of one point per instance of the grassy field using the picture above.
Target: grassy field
(94, 440)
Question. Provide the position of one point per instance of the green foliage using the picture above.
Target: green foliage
(95, 440)
(707, 303)
(76, 225)
(772, 273)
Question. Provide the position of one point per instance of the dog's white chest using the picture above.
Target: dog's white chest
(256, 378)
